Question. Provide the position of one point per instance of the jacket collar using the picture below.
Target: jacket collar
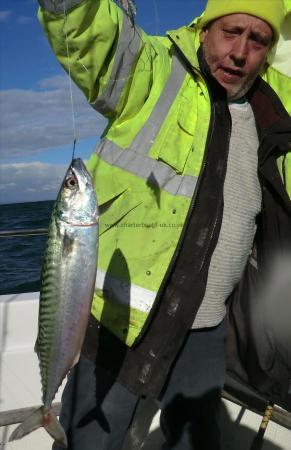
(186, 39)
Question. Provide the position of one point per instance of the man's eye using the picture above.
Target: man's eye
(256, 43)
(259, 42)
(229, 32)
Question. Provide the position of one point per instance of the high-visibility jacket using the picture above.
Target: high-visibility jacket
(147, 166)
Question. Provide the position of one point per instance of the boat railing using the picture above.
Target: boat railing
(279, 415)
(23, 232)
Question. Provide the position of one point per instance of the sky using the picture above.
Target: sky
(36, 131)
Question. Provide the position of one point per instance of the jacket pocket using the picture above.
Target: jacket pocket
(175, 142)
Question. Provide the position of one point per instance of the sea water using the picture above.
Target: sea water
(21, 257)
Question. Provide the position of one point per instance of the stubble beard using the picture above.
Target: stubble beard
(238, 91)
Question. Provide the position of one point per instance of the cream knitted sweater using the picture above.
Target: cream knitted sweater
(242, 202)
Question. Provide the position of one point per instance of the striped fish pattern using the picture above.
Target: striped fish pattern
(67, 286)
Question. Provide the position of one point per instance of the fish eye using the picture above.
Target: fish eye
(71, 182)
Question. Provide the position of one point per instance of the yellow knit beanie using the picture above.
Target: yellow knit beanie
(271, 11)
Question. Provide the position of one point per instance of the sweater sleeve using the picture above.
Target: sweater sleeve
(103, 48)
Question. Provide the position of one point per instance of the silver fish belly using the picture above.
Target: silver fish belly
(67, 287)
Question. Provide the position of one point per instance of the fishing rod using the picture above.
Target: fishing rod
(258, 441)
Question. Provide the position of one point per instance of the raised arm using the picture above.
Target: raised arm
(105, 50)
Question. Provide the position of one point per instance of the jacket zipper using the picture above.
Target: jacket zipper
(284, 170)
(218, 209)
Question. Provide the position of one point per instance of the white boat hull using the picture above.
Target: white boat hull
(20, 388)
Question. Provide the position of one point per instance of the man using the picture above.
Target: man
(183, 168)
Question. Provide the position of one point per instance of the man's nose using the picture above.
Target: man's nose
(240, 51)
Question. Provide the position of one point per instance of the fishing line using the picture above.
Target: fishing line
(130, 9)
(70, 81)
(156, 15)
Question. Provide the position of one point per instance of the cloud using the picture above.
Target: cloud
(4, 15)
(35, 120)
(24, 20)
(25, 182)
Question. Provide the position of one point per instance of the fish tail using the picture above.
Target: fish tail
(41, 418)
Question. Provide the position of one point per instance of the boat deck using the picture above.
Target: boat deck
(20, 388)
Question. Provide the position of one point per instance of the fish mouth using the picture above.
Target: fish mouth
(79, 169)
(77, 164)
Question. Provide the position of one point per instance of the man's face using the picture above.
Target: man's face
(235, 48)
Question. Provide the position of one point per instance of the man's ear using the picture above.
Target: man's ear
(202, 35)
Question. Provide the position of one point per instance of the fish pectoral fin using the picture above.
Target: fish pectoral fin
(68, 243)
(38, 419)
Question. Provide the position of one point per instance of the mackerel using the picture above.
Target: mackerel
(67, 287)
